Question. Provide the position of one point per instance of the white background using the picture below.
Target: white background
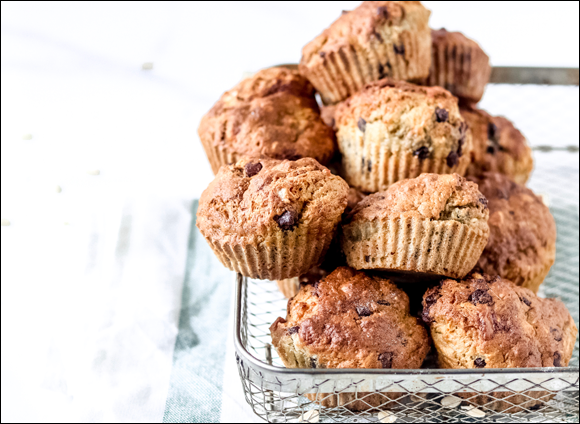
(74, 99)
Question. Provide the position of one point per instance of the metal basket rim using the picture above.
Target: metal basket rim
(262, 367)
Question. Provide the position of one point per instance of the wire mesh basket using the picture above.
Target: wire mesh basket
(548, 116)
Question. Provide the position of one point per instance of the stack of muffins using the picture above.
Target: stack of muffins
(394, 215)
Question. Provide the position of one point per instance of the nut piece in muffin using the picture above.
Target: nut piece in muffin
(522, 232)
(459, 65)
(498, 146)
(393, 130)
(333, 259)
(482, 323)
(273, 114)
(350, 320)
(377, 39)
(433, 224)
(271, 219)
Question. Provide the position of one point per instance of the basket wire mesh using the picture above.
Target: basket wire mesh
(548, 116)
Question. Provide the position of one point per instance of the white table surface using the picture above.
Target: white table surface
(77, 285)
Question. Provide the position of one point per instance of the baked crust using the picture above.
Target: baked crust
(392, 130)
(498, 146)
(272, 114)
(350, 320)
(522, 239)
(484, 322)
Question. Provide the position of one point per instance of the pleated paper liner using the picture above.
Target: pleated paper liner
(283, 255)
(218, 156)
(289, 287)
(447, 248)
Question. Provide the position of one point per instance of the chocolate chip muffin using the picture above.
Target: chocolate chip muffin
(271, 219)
(459, 65)
(350, 320)
(498, 146)
(333, 258)
(484, 322)
(393, 130)
(270, 114)
(373, 41)
(522, 239)
(433, 224)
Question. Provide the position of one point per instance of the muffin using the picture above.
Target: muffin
(459, 65)
(270, 114)
(271, 219)
(350, 320)
(483, 322)
(377, 39)
(394, 130)
(433, 224)
(522, 232)
(333, 259)
(498, 146)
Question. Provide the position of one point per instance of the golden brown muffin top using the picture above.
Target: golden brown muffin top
(256, 197)
(522, 229)
(358, 26)
(274, 114)
(425, 120)
(497, 144)
(429, 196)
(508, 325)
(353, 320)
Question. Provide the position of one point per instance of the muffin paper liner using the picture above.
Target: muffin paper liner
(446, 248)
(345, 71)
(289, 287)
(218, 156)
(282, 255)
(461, 69)
(371, 168)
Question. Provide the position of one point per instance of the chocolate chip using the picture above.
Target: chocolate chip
(383, 302)
(362, 124)
(312, 362)
(556, 334)
(483, 201)
(363, 311)
(492, 131)
(382, 11)
(479, 363)
(491, 150)
(422, 152)
(287, 220)
(452, 159)
(369, 165)
(293, 330)
(427, 303)
(344, 12)
(480, 296)
(460, 144)
(526, 301)
(322, 54)
(386, 359)
(400, 49)
(367, 258)
(441, 115)
(252, 168)
(557, 359)
(512, 213)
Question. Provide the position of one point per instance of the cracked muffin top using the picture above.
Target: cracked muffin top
(357, 27)
(498, 146)
(273, 114)
(484, 322)
(255, 197)
(350, 320)
(424, 120)
(429, 196)
(522, 240)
